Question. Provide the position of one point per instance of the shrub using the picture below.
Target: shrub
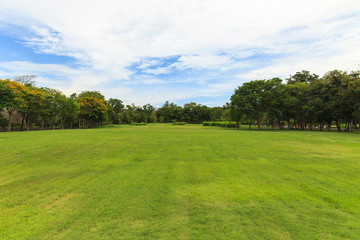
(179, 123)
(221, 124)
(207, 123)
(138, 124)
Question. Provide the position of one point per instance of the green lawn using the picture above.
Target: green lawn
(179, 182)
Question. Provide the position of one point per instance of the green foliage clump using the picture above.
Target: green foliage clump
(109, 126)
(3, 122)
(221, 124)
(138, 124)
(179, 123)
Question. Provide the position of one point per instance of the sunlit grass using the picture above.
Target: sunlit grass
(162, 181)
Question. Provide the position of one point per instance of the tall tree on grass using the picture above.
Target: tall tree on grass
(54, 98)
(116, 104)
(45, 109)
(350, 99)
(239, 106)
(115, 107)
(13, 97)
(299, 103)
(171, 112)
(254, 98)
(33, 101)
(278, 103)
(337, 82)
(69, 111)
(147, 111)
(92, 107)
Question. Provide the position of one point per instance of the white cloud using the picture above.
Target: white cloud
(107, 37)
(148, 63)
(203, 62)
(159, 70)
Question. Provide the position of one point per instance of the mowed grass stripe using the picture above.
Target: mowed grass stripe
(179, 182)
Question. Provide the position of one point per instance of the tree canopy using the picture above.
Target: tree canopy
(303, 101)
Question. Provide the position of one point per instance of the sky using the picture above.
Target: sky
(152, 51)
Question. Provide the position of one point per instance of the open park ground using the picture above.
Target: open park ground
(163, 181)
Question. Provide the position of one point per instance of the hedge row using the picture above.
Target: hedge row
(138, 124)
(179, 123)
(221, 124)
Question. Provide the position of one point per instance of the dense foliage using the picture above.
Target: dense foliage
(305, 101)
(24, 107)
(229, 124)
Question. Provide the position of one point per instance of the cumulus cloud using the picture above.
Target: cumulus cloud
(233, 41)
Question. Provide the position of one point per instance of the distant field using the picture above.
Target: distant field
(179, 182)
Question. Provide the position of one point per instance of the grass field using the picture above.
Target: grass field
(179, 182)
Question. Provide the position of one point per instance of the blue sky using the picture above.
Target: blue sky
(153, 51)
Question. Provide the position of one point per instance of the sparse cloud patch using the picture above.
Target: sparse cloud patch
(195, 48)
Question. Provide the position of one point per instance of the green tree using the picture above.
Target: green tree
(54, 100)
(303, 76)
(92, 109)
(33, 101)
(253, 99)
(13, 95)
(115, 107)
(5, 93)
(337, 81)
(69, 111)
(299, 102)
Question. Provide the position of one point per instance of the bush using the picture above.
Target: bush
(221, 124)
(109, 126)
(207, 123)
(179, 123)
(138, 124)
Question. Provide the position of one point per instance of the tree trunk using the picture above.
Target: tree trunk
(301, 125)
(9, 123)
(42, 123)
(338, 125)
(351, 125)
(28, 120)
(22, 122)
(53, 121)
(237, 125)
(279, 124)
(259, 124)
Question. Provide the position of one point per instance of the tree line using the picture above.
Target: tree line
(24, 106)
(305, 101)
